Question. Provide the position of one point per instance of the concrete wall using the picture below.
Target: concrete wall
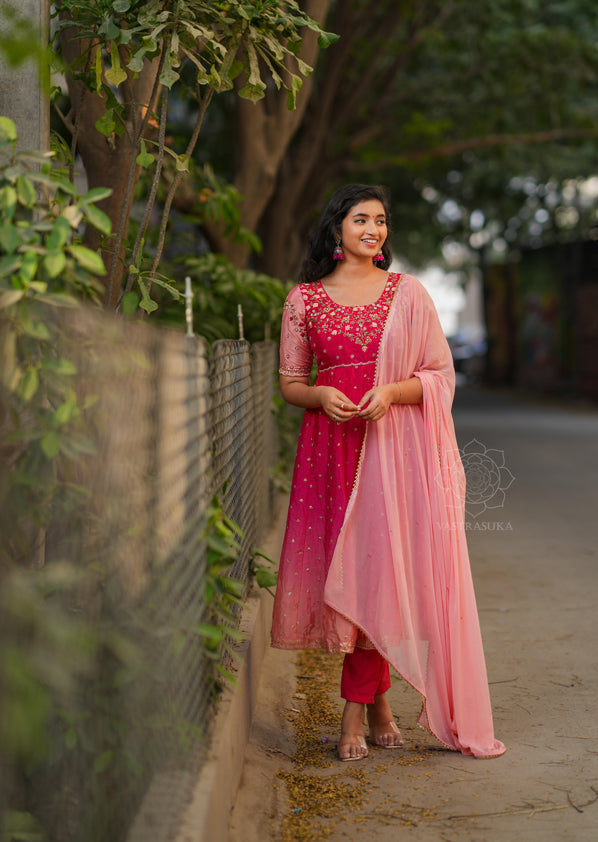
(21, 98)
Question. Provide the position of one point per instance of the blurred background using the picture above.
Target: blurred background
(143, 443)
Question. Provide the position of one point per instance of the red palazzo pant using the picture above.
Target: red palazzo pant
(365, 675)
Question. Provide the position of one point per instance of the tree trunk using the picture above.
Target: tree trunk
(341, 118)
(265, 130)
(109, 161)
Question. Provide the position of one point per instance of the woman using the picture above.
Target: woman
(374, 562)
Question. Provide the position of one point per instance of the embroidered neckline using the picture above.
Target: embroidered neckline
(360, 323)
(391, 275)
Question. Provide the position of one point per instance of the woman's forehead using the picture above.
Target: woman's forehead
(368, 207)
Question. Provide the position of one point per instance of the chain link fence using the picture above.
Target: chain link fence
(110, 647)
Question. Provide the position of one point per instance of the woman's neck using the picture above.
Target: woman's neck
(355, 285)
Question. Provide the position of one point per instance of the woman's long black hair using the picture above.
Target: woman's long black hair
(319, 261)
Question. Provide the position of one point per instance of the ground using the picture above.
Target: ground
(534, 560)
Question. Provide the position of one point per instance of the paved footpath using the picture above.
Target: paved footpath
(532, 530)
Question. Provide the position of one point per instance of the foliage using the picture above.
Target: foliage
(199, 46)
(218, 290)
(481, 108)
(222, 40)
(221, 593)
(43, 268)
(456, 97)
(266, 575)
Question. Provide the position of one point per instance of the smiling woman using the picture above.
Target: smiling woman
(374, 562)
(364, 229)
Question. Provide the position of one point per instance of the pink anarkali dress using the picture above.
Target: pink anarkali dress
(374, 551)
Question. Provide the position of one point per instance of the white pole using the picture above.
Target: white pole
(240, 320)
(189, 306)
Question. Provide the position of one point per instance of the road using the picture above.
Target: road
(532, 528)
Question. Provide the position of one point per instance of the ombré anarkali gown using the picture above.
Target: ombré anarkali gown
(374, 548)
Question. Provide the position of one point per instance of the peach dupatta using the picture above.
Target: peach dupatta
(400, 570)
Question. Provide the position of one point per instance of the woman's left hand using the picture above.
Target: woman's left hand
(374, 404)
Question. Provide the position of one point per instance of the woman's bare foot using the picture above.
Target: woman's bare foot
(383, 728)
(352, 745)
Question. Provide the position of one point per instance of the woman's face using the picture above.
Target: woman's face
(363, 230)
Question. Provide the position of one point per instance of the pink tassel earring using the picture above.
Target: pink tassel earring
(338, 253)
(378, 257)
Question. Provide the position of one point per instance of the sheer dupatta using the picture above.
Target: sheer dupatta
(400, 570)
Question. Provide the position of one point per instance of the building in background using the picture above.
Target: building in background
(541, 317)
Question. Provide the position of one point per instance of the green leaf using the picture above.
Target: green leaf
(145, 158)
(22, 827)
(165, 285)
(228, 675)
(121, 6)
(43, 178)
(88, 259)
(182, 163)
(60, 365)
(25, 191)
(8, 130)
(252, 92)
(99, 219)
(148, 305)
(115, 74)
(103, 761)
(130, 303)
(253, 76)
(50, 444)
(34, 327)
(59, 299)
(64, 413)
(168, 76)
(73, 214)
(65, 185)
(28, 267)
(106, 125)
(10, 296)
(209, 632)
(137, 61)
(9, 237)
(54, 263)
(98, 67)
(325, 39)
(38, 286)
(58, 236)
(96, 194)
(146, 302)
(8, 200)
(109, 29)
(28, 384)
(265, 578)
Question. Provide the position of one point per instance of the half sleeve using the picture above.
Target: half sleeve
(295, 352)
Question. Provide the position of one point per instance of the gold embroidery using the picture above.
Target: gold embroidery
(361, 324)
(296, 318)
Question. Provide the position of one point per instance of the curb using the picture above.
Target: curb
(206, 818)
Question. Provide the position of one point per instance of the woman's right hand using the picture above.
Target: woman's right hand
(335, 404)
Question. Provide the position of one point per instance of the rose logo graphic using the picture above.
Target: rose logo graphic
(486, 477)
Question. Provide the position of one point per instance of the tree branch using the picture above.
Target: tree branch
(125, 206)
(456, 148)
